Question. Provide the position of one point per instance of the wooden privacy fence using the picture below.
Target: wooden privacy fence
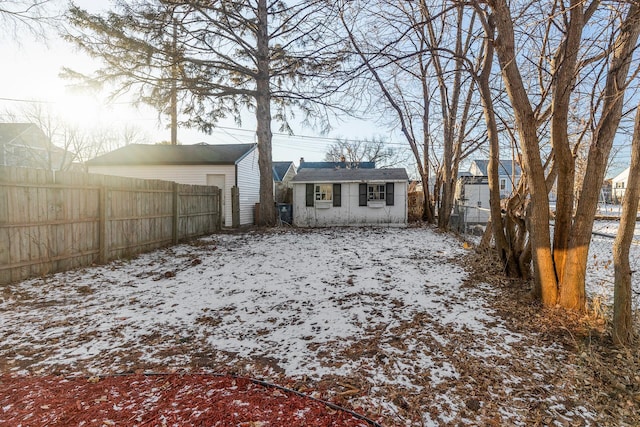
(51, 222)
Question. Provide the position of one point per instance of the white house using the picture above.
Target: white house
(472, 188)
(26, 145)
(619, 185)
(509, 173)
(224, 166)
(333, 197)
(472, 198)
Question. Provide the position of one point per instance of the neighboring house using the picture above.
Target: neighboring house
(509, 174)
(225, 166)
(26, 145)
(283, 172)
(331, 197)
(472, 189)
(619, 186)
(335, 165)
(472, 198)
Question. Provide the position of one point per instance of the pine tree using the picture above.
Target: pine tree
(222, 57)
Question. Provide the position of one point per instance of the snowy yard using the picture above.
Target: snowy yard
(599, 282)
(389, 319)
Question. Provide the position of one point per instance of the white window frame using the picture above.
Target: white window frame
(376, 192)
(323, 192)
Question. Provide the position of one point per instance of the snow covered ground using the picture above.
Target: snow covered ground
(387, 312)
(599, 283)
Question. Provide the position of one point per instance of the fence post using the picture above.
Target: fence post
(235, 206)
(220, 224)
(102, 224)
(176, 211)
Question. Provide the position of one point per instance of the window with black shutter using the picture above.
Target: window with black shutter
(309, 194)
(389, 195)
(362, 199)
(337, 195)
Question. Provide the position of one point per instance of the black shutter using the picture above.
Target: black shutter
(337, 195)
(389, 196)
(310, 193)
(363, 195)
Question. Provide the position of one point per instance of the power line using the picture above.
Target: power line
(27, 100)
(306, 138)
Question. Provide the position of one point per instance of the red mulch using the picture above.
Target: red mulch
(160, 400)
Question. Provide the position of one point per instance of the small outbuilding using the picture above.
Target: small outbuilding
(350, 197)
(228, 167)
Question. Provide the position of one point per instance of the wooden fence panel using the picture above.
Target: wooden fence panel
(198, 211)
(139, 215)
(77, 218)
(55, 222)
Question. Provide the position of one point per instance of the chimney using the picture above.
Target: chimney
(301, 160)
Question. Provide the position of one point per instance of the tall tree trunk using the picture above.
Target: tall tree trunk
(428, 213)
(572, 285)
(174, 85)
(449, 111)
(564, 72)
(545, 281)
(622, 322)
(267, 212)
(502, 245)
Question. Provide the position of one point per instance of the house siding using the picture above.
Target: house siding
(249, 186)
(349, 213)
(510, 185)
(619, 185)
(476, 205)
(182, 174)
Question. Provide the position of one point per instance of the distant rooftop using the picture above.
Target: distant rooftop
(346, 175)
(280, 169)
(11, 131)
(504, 169)
(336, 165)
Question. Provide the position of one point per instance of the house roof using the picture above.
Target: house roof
(622, 176)
(12, 131)
(280, 170)
(337, 165)
(505, 167)
(350, 175)
(198, 154)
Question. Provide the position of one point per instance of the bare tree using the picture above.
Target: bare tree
(373, 150)
(16, 16)
(622, 321)
(72, 144)
(411, 54)
(559, 269)
(508, 250)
